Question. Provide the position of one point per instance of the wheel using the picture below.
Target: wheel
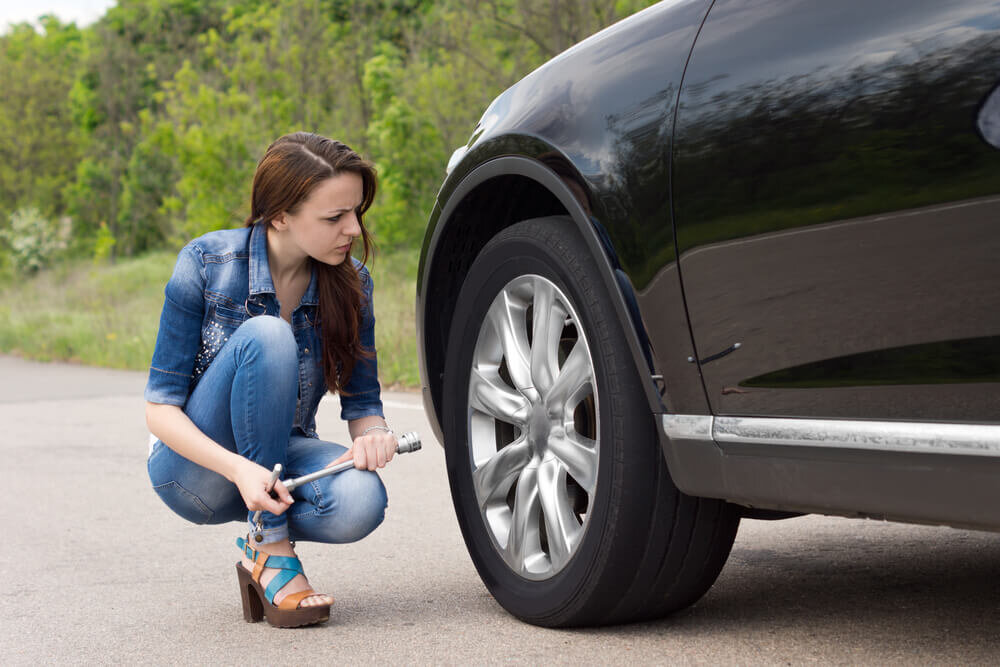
(556, 473)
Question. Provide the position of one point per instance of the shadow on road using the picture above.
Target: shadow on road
(887, 590)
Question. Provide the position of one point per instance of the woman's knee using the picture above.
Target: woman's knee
(270, 336)
(353, 506)
(192, 492)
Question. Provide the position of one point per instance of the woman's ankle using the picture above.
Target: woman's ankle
(279, 548)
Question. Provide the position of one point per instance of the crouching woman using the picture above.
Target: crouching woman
(257, 324)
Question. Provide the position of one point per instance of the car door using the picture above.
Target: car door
(837, 210)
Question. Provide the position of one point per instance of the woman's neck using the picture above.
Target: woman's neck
(286, 262)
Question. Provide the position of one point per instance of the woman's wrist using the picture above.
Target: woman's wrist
(376, 427)
(233, 463)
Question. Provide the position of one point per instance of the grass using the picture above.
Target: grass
(395, 275)
(108, 315)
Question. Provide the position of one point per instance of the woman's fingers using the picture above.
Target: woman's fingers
(391, 449)
(360, 455)
(389, 446)
(284, 495)
(263, 501)
(376, 456)
(273, 506)
(371, 452)
(346, 456)
(253, 482)
(382, 447)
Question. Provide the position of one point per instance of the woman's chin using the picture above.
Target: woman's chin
(333, 258)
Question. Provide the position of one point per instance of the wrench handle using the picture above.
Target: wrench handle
(407, 442)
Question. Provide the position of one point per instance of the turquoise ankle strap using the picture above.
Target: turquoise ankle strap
(289, 565)
(247, 550)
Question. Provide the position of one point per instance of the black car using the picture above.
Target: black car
(723, 259)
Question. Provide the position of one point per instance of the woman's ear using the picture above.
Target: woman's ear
(279, 222)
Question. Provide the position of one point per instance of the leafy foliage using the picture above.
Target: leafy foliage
(143, 130)
(146, 126)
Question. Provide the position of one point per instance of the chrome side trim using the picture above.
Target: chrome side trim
(912, 437)
(688, 427)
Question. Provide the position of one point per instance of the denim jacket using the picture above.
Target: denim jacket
(220, 280)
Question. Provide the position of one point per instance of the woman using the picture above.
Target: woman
(257, 324)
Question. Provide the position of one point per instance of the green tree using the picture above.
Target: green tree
(126, 55)
(38, 149)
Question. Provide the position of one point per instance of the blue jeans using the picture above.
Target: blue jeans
(246, 402)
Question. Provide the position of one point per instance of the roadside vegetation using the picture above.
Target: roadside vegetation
(121, 140)
(107, 314)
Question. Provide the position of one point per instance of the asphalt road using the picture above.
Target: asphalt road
(96, 570)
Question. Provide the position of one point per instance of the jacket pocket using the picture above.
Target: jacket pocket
(227, 317)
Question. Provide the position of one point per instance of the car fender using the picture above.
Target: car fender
(445, 223)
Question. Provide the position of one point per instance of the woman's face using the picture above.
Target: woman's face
(326, 222)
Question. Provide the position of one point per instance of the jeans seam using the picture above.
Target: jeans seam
(317, 489)
(160, 370)
(250, 402)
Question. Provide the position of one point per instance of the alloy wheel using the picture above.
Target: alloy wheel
(533, 425)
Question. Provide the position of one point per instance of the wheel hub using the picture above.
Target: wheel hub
(539, 427)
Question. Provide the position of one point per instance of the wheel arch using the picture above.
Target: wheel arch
(491, 197)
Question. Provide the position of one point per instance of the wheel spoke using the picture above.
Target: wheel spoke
(523, 535)
(579, 455)
(492, 480)
(548, 318)
(490, 394)
(508, 319)
(561, 525)
(574, 373)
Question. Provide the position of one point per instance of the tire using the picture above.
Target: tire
(556, 473)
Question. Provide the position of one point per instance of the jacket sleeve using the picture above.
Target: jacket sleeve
(179, 336)
(362, 395)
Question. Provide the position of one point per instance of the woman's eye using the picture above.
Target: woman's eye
(335, 218)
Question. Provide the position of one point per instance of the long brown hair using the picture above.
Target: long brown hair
(292, 166)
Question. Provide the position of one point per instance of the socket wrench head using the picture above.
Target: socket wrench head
(408, 442)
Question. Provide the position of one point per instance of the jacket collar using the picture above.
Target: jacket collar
(260, 270)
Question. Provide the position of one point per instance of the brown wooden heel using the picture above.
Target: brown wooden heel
(253, 608)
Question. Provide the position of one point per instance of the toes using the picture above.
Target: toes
(317, 601)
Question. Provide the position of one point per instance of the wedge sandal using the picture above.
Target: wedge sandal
(258, 602)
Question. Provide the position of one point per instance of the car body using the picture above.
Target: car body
(790, 212)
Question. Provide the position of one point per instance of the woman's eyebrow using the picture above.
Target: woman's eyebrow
(345, 209)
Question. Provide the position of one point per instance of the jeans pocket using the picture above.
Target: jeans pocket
(183, 502)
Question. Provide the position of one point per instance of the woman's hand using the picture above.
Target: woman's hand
(252, 480)
(371, 451)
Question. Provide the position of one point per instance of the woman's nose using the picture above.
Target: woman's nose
(353, 227)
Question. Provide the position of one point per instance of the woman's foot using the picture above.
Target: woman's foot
(299, 583)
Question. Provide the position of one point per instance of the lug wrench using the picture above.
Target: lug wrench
(407, 442)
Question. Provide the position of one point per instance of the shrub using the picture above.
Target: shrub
(32, 240)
